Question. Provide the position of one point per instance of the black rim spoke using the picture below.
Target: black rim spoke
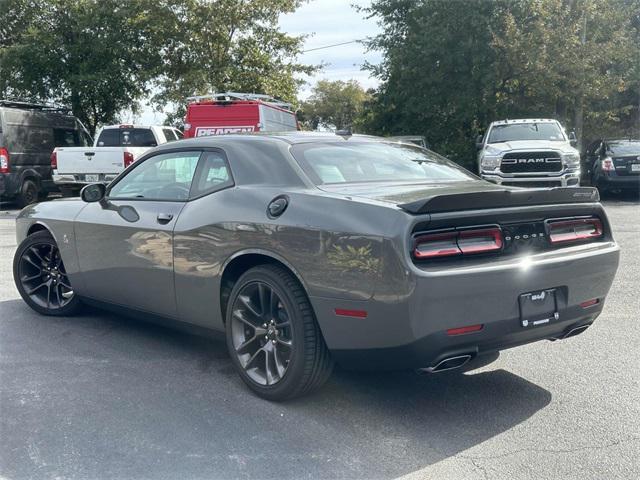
(261, 333)
(41, 266)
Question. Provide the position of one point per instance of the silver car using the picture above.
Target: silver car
(310, 249)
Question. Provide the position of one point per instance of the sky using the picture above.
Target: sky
(326, 22)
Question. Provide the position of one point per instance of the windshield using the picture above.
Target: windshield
(340, 162)
(630, 147)
(526, 131)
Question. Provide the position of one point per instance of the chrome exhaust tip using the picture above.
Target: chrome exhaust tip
(572, 332)
(449, 363)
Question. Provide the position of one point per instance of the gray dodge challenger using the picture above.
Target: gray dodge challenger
(310, 249)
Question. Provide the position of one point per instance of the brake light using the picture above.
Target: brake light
(54, 160)
(465, 242)
(126, 125)
(4, 160)
(566, 231)
(128, 159)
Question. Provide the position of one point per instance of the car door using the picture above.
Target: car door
(125, 243)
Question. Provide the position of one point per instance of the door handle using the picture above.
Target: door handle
(164, 218)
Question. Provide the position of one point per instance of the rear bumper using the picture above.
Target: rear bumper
(410, 330)
(626, 182)
(80, 180)
(569, 179)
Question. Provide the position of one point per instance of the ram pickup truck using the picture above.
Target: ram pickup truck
(115, 148)
(529, 153)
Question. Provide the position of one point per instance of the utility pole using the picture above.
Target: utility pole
(579, 114)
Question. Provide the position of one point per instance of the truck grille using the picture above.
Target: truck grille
(531, 162)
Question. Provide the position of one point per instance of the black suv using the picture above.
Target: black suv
(613, 165)
(28, 134)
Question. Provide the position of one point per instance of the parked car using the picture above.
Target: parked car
(115, 148)
(529, 153)
(28, 134)
(613, 165)
(231, 112)
(312, 248)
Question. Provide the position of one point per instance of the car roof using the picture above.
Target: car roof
(524, 120)
(291, 138)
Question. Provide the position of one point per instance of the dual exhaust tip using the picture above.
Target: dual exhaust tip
(449, 363)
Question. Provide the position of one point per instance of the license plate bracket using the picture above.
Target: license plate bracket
(538, 308)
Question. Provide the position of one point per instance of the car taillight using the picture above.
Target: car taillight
(607, 165)
(4, 160)
(54, 160)
(128, 159)
(464, 242)
(580, 229)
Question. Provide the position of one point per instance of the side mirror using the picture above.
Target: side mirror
(573, 140)
(479, 143)
(93, 193)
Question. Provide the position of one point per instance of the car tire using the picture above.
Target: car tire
(41, 278)
(68, 192)
(28, 193)
(272, 335)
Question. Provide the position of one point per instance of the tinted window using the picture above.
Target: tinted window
(67, 138)
(624, 148)
(526, 131)
(327, 163)
(213, 174)
(162, 177)
(126, 137)
(169, 134)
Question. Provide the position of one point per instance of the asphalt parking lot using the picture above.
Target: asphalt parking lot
(103, 396)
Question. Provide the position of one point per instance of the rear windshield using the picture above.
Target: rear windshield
(625, 148)
(126, 137)
(335, 163)
(526, 131)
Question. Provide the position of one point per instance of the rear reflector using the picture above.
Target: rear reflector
(4, 160)
(465, 242)
(351, 313)
(590, 303)
(463, 330)
(565, 231)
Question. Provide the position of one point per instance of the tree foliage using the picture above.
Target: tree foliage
(450, 68)
(335, 104)
(102, 56)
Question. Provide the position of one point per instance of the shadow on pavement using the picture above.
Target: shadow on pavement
(104, 396)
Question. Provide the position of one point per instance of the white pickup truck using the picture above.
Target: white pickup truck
(115, 148)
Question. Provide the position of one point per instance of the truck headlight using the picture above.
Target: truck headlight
(490, 163)
(571, 159)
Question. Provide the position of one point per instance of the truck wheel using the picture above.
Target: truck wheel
(272, 335)
(28, 193)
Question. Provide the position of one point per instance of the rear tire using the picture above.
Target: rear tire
(40, 276)
(68, 192)
(273, 338)
(28, 193)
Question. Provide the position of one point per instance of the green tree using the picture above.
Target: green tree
(449, 68)
(228, 45)
(336, 104)
(95, 56)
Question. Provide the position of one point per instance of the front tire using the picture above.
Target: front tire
(273, 338)
(41, 278)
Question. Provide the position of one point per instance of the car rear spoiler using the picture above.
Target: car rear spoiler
(501, 199)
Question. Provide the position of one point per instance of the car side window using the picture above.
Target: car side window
(166, 176)
(212, 175)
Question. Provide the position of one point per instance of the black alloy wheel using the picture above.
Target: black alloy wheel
(272, 335)
(41, 277)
